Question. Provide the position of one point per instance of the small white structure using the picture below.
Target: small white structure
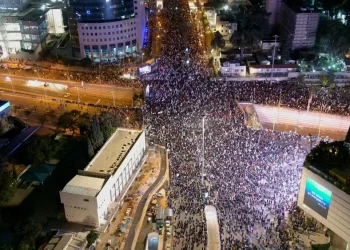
(277, 68)
(210, 12)
(67, 241)
(268, 45)
(233, 68)
(226, 28)
(93, 196)
(216, 23)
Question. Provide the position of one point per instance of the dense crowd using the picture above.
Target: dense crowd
(250, 176)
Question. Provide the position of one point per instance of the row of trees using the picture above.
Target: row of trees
(98, 129)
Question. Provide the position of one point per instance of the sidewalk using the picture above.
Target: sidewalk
(134, 231)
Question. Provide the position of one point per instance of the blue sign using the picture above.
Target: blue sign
(317, 197)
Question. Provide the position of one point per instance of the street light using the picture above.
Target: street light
(142, 57)
(113, 98)
(273, 58)
(78, 94)
(10, 80)
(203, 129)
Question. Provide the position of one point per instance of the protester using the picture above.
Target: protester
(250, 176)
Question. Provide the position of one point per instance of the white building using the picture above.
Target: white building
(216, 23)
(226, 28)
(232, 68)
(93, 196)
(279, 68)
(268, 45)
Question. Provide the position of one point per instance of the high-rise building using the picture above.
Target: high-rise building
(298, 26)
(107, 29)
(24, 25)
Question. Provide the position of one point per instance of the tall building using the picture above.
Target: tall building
(107, 29)
(298, 26)
(324, 191)
(25, 26)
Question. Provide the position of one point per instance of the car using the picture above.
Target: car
(66, 95)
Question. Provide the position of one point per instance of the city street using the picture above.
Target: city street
(88, 93)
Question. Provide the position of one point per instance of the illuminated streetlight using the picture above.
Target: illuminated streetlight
(10, 80)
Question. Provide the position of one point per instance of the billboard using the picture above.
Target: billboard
(317, 197)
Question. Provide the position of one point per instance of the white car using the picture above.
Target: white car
(66, 95)
(128, 211)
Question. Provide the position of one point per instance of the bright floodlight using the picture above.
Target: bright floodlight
(188, 61)
(226, 7)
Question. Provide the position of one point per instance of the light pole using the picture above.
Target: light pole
(113, 98)
(142, 57)
(78, 94)
(273, 57)
(203, 129)
(9, 79)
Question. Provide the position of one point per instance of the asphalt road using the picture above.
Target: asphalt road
(137, 217)
(87, 93)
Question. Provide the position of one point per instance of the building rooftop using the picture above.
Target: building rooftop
(331, 161)
(108, 159)
(67, 241)
(84, 185)
(276, 66)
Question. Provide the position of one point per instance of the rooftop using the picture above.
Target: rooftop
(276, 66)
(84, 185)
(331, 161)
(67, 241)
(108, 159)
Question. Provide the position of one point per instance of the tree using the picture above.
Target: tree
(92, 237)
(83, 123)
(7, 186)
(68, 120)
(91, 151)
(40, 149)
(107, 129)
(26, 233)
(252, 27)
(218, 41)
(325, 81)
(86, 62)
(95, 134)
(112, 117)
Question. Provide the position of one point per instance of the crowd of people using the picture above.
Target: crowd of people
(250, 176)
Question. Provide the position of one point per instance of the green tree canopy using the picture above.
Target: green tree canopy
(92, 237)
(26, 233)
(40, 149)
(252, 27)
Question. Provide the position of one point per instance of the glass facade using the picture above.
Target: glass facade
(102, 10)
